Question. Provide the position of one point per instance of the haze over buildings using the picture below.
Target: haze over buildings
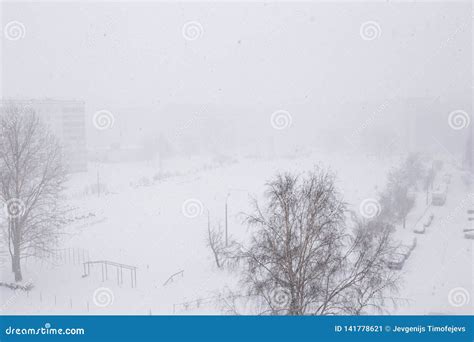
(66, 119)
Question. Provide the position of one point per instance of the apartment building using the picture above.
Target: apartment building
(66, 119)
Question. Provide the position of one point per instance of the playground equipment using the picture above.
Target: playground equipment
(104, 264)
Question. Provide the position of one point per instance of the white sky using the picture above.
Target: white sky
(248, 53)
(277, 55)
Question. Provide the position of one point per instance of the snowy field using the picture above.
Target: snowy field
(145, 223)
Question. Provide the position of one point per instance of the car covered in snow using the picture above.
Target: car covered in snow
(399, 256)
(396, 261)
(469, 233)
(411, 242)
(404, 250)
(404, 237)
(438, 197)
(419, 228)
(428, 219)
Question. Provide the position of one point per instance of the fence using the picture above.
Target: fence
(65, 256)
(230, 303)
(104, 265)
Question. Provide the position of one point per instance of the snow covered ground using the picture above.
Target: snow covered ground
(160, 228)
(439, 274)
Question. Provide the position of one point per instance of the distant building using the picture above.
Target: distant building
(66, 119)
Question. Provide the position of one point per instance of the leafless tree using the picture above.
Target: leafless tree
(215, 242)
(31, 179)
(370, 247)
(224, 255)
(303, 259)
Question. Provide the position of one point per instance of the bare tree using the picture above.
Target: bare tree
(224, 255)
(215, 242)
(370, 247)
(31, 179)
(302, 258)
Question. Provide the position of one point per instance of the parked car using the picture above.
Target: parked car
(404, 250)
(469, 233)
(401, 254)
(396, 261)
(412, 243)
(428, 219)
(404, 237)
(438, 199)
(438, 196)
(420, 228)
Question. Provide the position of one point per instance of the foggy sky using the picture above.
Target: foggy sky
(132, 57)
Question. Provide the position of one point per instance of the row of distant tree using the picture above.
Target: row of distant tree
(398, 199)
